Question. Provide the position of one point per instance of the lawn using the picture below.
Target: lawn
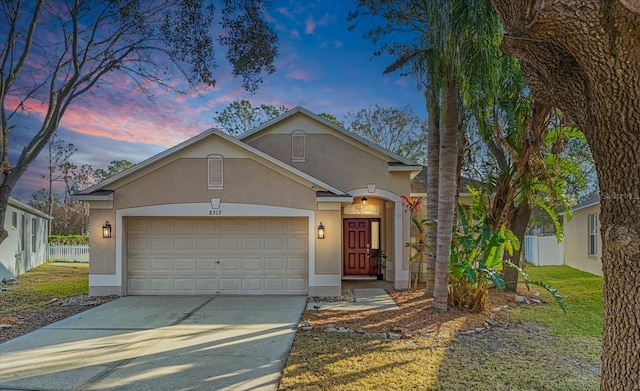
(530, 347)
(43, 295)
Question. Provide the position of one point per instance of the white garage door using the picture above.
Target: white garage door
(190, 256)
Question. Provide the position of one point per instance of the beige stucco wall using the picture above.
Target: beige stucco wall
(576, 235)
(329, 153)
(185, 181)
(102, 251)
(329, 249)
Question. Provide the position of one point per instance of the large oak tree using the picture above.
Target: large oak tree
(584, 57)
(54, 52)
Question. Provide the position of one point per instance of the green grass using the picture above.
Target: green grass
(43, 283)
(581, 292)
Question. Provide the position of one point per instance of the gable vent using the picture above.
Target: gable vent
(298, 146)
(215, 172)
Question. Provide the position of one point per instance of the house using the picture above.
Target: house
(26, 245)
(293, 207)
(582, 239)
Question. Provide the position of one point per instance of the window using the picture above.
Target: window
(298, 147)
(34, 234)
(215, 169)
(14, 219)
(23, 233)
(593, 234)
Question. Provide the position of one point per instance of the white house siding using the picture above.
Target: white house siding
(17, 253)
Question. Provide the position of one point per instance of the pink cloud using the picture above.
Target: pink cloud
(310, 25)
(284, 11)
(295, 33)
(402, 83)
(298, 74)
(338, 44)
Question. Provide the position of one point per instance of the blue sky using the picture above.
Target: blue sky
(321, 66)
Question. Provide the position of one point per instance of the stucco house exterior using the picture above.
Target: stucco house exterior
(26, 246)
(582, 239)
(293, 207)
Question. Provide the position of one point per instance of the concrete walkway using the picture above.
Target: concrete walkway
(159, 343)
(366, 299)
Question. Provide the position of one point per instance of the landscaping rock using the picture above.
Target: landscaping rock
(394, 336)
(330, 329)
(498, 309)
(5, 326)
(344, 330)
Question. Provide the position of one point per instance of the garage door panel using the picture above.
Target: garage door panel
(229, 225)
(161, 265)
(139, 264)
(252, 265)
(161, 225)
(296, 244)
(206, 264)
(274, 265)
(207, 225)
(184, 244)
(138, 243)
(211, 256)
(206, 244)
(226, 264)
(185, 265)
(229, 244)
(252, 225)
(298, 226)
(161, 243)
(296, 264)
(252, 244)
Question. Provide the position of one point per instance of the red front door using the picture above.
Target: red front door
(357, 247)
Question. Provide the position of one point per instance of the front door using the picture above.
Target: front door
(361, 242)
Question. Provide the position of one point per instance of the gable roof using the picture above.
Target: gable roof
(339, 129)
(100, 187)
(590, 200)
(16, 203)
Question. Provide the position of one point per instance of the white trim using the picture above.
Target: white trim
(334, 199)
(92, 197)
(405, 168)
(202, 210)
(398, 228)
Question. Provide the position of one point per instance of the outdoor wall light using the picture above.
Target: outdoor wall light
(321, 231)
(364, 201)
(106, 230)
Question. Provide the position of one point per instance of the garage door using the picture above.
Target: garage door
(189, 256)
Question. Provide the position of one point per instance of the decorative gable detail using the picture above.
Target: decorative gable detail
(298, 146)
(215, 169)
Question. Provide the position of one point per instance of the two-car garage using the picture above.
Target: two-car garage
(216, 255)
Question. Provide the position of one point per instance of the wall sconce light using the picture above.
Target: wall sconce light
(364, 201)
(106, 230)
(321, 231)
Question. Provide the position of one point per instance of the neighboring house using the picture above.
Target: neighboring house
(292, 207)
(26, 245)
(582, 239)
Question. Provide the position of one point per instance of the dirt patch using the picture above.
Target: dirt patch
(416, 315)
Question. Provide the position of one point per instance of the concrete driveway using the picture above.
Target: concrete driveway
(159, 343)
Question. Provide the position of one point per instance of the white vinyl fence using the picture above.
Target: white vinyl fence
(68, 253)
(543, 250)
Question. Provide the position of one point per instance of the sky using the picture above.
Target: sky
(321, 66)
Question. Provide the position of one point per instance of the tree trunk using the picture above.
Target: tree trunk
(447, 193)
(518, 222)
(584, 58)
(433, 164)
